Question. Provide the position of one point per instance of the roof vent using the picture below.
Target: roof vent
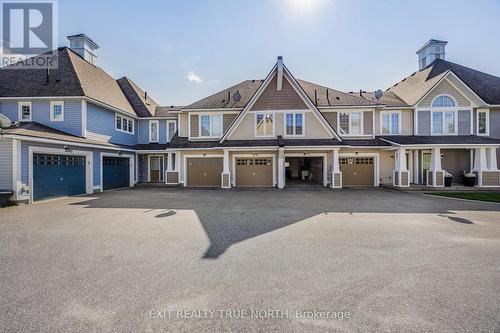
(237, 96)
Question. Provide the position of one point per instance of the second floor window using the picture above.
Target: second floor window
(390, 123)
(56, 111)
(124, 124)
(482, 123)
(25, 111)
(211, 125)
(294, 123)
(350, 123)
(443, 122)
(264, 124)
(153, 130)
(171, 129)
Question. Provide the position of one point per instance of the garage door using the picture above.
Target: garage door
(204, 172)
(58, 175)
(254, 172)
(357, 171)
(115, 172)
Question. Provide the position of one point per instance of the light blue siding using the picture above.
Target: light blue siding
(144, 131)
(464, 122)
(424, 123)
(9, 109)
(163, 131)
(102, 121)
(6, 163)
(72, 122)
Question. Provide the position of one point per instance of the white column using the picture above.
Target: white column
(226, 175)
(401, 176)
(480, 162)
(281, 167)
(169, 162)
(491, 158)
(416, 170)
(226, 161)
(435, 159)
(336, 169)
(401, 160)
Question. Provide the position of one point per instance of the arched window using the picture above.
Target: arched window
(443, 102)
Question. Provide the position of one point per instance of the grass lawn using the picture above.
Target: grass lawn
(481, 196)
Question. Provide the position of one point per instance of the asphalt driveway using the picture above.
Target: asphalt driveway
(156, 259)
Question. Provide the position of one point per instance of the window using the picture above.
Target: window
(25, 111)
(482, 123)
(390, 123)
(350, 123)
(153, 130)
(56, 111)
(211, 125)
(443, 102)
(124, 124)
(264, 124)
(294, 123)
(443, 122)
(171, 129)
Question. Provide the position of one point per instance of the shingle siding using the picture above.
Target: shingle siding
(284, 99)
(102, 121)
(6, 164)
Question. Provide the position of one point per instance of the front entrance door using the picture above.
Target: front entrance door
(155, 167)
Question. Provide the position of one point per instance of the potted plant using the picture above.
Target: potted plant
(448, 178)
(470, 179)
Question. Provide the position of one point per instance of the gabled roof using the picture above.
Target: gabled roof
(414, 87)
(388, 98)
(323, 96)
(165, 111)
(143, 104)
(224, 98)
(73, 77)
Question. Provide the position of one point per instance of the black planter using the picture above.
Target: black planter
(447, 181)
(4, 197)
(469, 181)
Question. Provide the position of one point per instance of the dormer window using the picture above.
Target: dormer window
(24, 111)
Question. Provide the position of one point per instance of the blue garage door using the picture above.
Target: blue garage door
(57, 175)
(115, 172)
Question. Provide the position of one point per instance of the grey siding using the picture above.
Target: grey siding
(424, 123)
(444, 88)
(368, 123)
(495, 123)
(331, 118)
(464, 122)
(194, 119)
(6, 161)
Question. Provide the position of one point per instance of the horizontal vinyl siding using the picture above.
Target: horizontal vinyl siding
(444, 88)
(143, 128)
(72, 116)
(102, 122)
(368, 123)
(10, 110)
(195, 123)
(6, 160)
(424, 123)
(227, 119)
(464, 122)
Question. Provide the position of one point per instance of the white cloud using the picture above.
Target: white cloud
(193, 77)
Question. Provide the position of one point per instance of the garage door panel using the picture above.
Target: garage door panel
(357, 171)
(115, 172)
(58, 175)
(204, 172)
(254, 172)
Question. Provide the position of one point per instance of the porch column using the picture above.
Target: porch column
(336, 173)
(435, 175)
(281, 167)
(226, 175)
(172, 172)
(491, 158)
(485, 167)
(416, 170)
(401, 176)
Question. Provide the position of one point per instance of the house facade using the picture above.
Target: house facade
(78, 130)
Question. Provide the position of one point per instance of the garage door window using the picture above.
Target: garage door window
(356, 160)
(251, 161)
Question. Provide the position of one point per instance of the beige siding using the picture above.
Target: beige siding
(447, 89)
(284, 99)
(386, 167)
(183, 125)
(368, 123)
(195, 128)
(227, 119)
(313, 127)
(331, 117)
(245, 130)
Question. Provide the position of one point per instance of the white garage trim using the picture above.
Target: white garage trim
(376, 161)
(131, 161)
(61, 151)
(185, 157)
(235, 156)
(325, 163)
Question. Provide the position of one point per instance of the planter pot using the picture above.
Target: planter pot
(469, 181)
(447, 181)
(4, 197)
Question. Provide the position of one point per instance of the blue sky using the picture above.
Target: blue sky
(180, 51)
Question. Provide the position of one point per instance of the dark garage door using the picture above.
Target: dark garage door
(357, 171)
(254, 172)
(204, 172)
(57, 175)
(115, 172)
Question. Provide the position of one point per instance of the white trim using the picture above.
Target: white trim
(398, 112)
(169, 121)
(285, 113)
(185, 157)
(257, 155)
(20, 104)
(225, 110)
(376, 164)
(16, 168)
(131, 161)
(325, 163)
(89, 180)
(84, 118)
(273, 114)
(121, 124)
(362, 130)
(51, 110)
(210, 115)
(157, 122)
(443, 111)
(487, 111)
(161, 172)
